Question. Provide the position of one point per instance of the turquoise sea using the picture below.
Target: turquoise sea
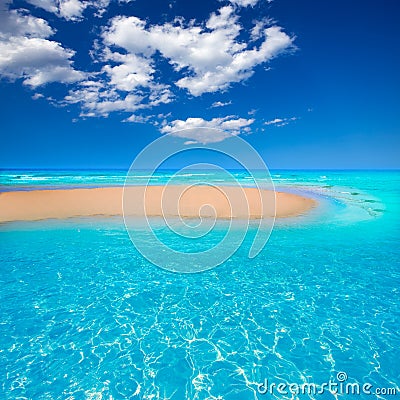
(84, 316)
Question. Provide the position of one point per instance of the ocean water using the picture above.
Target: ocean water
(84, 316)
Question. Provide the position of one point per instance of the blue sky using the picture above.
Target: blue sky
(310, 84)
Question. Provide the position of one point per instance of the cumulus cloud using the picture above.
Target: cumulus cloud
(19, 23)
(131, 72)
(246, 3)
(72, 10)
(211, 54)
(210, 57)
(68, 9)
(37, 96)
(25, 51)
(280, 121)
(220, 104)
(100, 98)
(239, 68)
(138, 119)
(204, 57)
(48, 5)
(96, 98)
(199, 130)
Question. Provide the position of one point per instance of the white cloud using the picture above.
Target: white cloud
(138, 119)
(199, 130)
(126, 83)
(100, 98)
(25, 51)
(72, 10)
(244, 3)
(48, 5)
(257, 32)
(280, 121)
(240, 66)
(19, 23)
(209, 57)
(37, 96)
(206, 56)
(96, 99)
(68, 9)
(274, 121)
(131, 102)
(132, 71)
(220, 104)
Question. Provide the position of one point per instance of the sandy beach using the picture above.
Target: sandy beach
(194, 201)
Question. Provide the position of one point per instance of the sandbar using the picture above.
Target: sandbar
(183, 201)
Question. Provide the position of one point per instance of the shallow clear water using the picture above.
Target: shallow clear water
(83, 315)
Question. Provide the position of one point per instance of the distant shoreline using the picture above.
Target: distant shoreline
(184, 201)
